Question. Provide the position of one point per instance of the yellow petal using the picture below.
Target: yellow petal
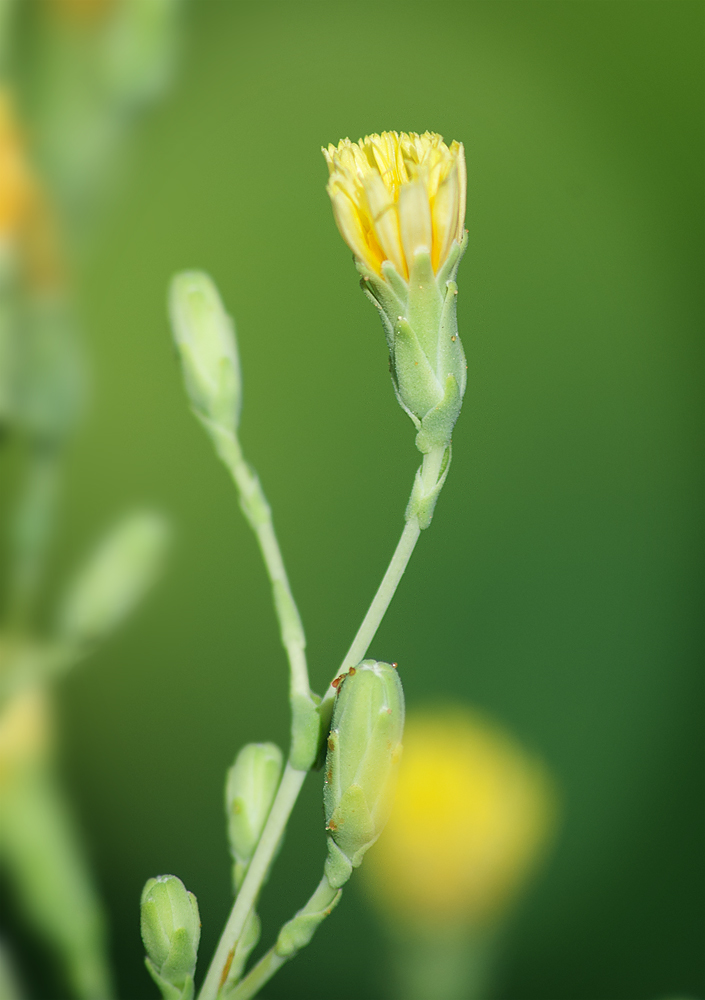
(351, 229)
(462, 187)
(385, 221)
(396, 192)
(414, 219)
(445, 217)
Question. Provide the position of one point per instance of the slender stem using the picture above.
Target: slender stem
(430, 471)
(320, 905)
(258, 975)
(289, 788)
(383, 597)
(259, 515)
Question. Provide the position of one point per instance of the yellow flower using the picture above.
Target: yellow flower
(16, 182)
(396, 193)
(471, 816)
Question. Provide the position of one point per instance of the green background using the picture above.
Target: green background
(558, 587)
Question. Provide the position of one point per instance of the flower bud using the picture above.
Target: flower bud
(399, 202)
(250, 788)
(115, 578)
(364, 749)
(171, 930)
(205, 338)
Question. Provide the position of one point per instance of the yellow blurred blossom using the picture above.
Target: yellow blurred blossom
(82, 12)
(27, 223)
(16, 182)
(472, 815)
(396, 193)
(25, 732)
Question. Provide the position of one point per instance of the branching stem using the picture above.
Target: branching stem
(258, 514)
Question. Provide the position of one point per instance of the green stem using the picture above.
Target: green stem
(383, 597)
(259, 516)
(318, 908)
(289, 788)
(257, 976)
(430, 471)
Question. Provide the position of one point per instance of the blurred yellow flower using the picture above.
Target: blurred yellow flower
(16, 182)
(27, 223)
(25, 732)
(82, 12)
(396, 193)
(472, 814)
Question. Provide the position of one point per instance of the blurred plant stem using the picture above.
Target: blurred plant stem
(442, 963)
(44, 852)
(32, 525)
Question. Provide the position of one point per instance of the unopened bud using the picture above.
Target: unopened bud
(205, 338)
(171, 930)
(115, 578)
(364, 750)
(250, 788)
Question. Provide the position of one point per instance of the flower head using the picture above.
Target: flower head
(396, 193)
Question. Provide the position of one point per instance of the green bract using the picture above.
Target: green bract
(171, 930)
(205, 338)
(428, 364)
(364, 749)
